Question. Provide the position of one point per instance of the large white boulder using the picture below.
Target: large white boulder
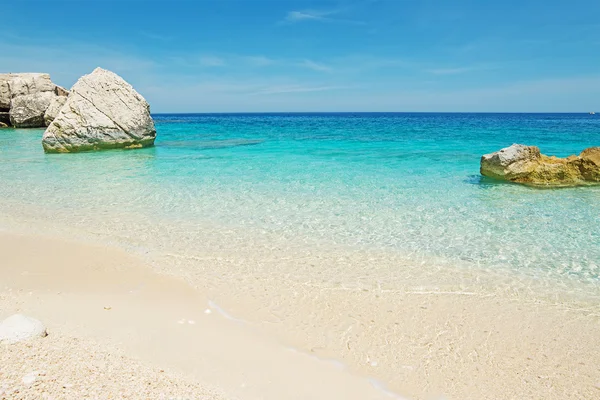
(53, 108)
(17, 328)
(102, 111)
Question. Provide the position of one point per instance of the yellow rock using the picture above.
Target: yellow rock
(525, 164)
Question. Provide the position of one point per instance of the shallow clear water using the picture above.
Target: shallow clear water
(406, 183)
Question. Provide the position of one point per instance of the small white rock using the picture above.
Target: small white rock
(207, 311)
(18, 327)
(191, 321)
(30, 378)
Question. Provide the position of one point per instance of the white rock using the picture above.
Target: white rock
(28, 111)
(18, 327)
(24, 84)
(53, 108)
(30, 378)
(102, 111)
(5, 91)
(26, 97)
(510, 162)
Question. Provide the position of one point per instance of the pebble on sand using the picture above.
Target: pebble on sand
(17, 328)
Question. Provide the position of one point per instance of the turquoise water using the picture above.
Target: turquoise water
(402, 183)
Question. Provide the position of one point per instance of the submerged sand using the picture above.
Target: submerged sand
(440, 343)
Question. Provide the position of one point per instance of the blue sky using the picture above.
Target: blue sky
(369, 55)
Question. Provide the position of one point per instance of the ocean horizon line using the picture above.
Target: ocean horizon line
(373, 112)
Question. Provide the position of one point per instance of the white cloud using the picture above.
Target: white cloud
(315, 66)
(155, 36)
(303, 16)
(259, 61)
(450, 71)
(67, 61)
(460, 70)
(296, 89)
(212, 61)
(206, 93)
(321, 16)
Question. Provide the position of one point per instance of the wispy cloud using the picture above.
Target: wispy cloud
(155, 36)
(460, 70)
(318, 16)
(294, 16)
(450, 71)
(212, 61)
(296, 89)
(69, 60)
(315, 66)
(259, 61)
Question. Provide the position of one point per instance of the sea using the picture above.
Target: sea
(406, 183)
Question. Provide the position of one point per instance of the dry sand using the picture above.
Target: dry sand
(422, 344)
(75, 368)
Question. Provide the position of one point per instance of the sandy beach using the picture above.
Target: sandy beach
(118, 329)
(114, 326)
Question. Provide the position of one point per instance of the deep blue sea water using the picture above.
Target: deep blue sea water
(402, 182)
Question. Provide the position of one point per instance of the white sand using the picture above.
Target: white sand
(74, 368)
(422, 344)
(103, 308)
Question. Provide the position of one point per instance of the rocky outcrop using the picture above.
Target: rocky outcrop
(53, 108)
(28, 111)
(26, 97)
(17, 328)
(102, 111)
(525, 164)
(5, 92)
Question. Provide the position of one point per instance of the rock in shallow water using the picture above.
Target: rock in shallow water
(28, 111)
(53, 109)
(102, 112)
(17, 328)
(525, 164)
(25, 97)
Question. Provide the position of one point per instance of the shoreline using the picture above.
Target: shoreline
(440, 343)
(103, 296)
